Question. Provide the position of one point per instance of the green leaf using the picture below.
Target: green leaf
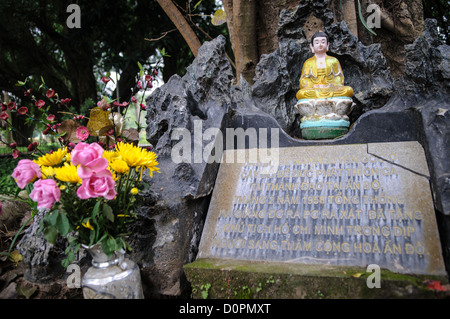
(107, 99)
(96, 209)
(62, 223)
(65, 262)
(51, 234)
(197, 4)
(108, 212)
(163, 53)
(22, 83)
(70, 257)
(29, 188)
(108, 245)
(141, 69)
(91, 237)
(53, 217)
(111, 244)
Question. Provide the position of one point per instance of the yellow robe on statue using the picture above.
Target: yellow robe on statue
(322, 83)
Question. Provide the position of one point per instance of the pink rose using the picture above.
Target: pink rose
(45, 193)
(98, 184)
(90, 158)
(25, 172)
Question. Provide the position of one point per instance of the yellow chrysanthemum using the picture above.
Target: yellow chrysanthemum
(137, 157)
(67, 173)
(111, 156)
(152, 163)
(134, 191)
(120, 166)
(47, 171)
(52, 159)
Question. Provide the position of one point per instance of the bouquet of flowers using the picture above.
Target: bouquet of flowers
(89, 193)
(89, 187)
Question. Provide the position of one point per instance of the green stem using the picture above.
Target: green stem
(17, 235)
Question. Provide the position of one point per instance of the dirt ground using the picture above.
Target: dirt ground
(12, 282)
(14, 286)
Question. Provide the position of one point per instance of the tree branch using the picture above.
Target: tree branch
(182, 25)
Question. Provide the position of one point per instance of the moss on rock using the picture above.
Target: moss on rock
(260, 280)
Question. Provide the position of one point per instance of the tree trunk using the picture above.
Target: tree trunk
(246, 50)
(81, 76)
(252, 27)
(241, 21)
(182, 25)
(350, 15)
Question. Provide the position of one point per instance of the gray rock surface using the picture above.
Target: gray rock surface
(171, 218)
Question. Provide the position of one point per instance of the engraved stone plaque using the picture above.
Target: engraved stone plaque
(347, 205)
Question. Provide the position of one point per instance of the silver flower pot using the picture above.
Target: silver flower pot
(114, 277)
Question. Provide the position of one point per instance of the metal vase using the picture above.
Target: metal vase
(113, 277)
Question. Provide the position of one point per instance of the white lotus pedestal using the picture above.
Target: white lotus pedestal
(325, 118)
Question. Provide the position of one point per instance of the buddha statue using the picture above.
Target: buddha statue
(323, 100)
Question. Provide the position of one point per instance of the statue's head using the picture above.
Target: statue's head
(319, 42)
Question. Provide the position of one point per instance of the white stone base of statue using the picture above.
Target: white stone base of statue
(324, 118)
(335, 108)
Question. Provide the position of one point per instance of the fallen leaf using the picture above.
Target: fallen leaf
(26, 290)
(435, 285)
(15, 257)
